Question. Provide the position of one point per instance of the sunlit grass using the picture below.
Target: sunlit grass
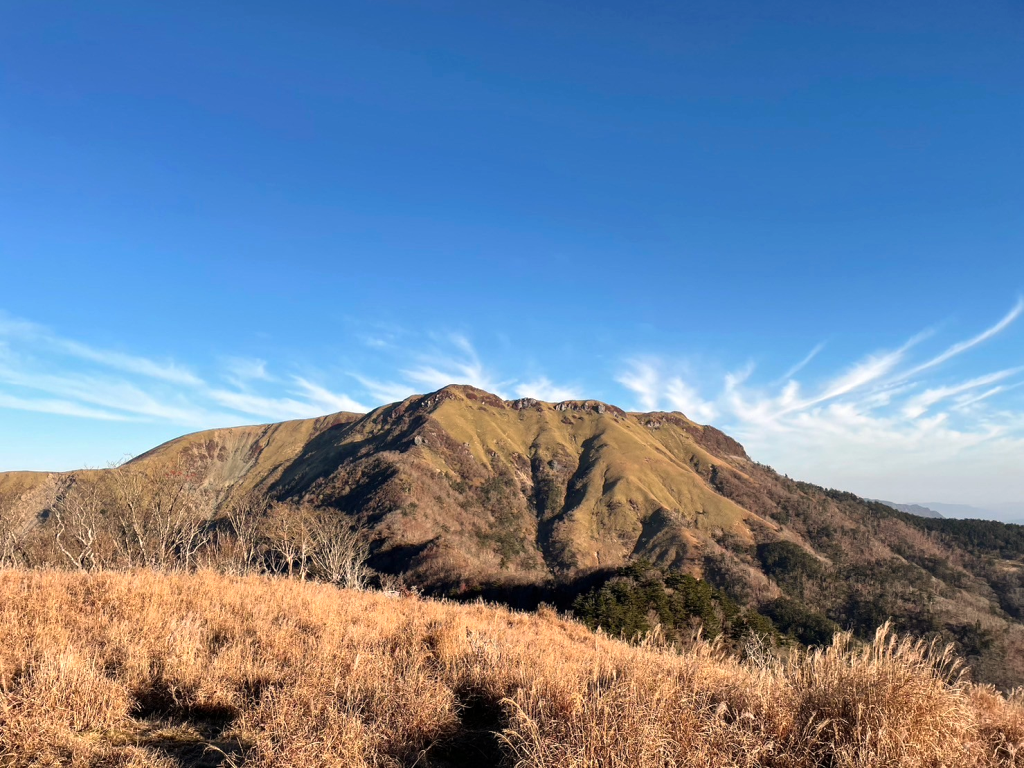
(145, 668)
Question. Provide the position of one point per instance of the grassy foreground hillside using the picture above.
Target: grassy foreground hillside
(150, 669)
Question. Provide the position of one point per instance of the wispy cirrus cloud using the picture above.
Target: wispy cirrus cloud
(241, 371)
(966, 402)
(317, 402)
(803, 363)
(963, 346)
(656, 388)
(920, 404)
(109, 392)
(324, 399)
(40, 336)
(893, 423)
(57, 407)
(885, 424)
(644, 380)
(453, 360)
(384, 391)
(542, 388)
(43, 372)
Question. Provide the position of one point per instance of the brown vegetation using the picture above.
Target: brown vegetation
(460, 493)
(144, 668)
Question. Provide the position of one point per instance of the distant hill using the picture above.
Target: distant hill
(1010, 509)
(911, 509)
(463, 493)
(962, 510)
(1012, 512)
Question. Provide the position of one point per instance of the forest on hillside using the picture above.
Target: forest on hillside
(169, 520)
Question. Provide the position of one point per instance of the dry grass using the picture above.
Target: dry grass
(147, 669)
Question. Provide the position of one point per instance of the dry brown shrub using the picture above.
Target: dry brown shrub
(894, 702)
(146, 668)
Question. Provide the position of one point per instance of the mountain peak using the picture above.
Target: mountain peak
(459, 487)
(460, 392)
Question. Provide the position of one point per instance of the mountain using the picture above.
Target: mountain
(911, 509)
(464, 493)
(1010, 512)
(962, 510)
(461, 485)
(1010, 509)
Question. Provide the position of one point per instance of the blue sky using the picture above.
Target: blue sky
(801, 222)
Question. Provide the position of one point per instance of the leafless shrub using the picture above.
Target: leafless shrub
(247, 516)
(14, 530)
(290, 536)
(307, 542)
(78, 522)
(340, 551)
(160, 517)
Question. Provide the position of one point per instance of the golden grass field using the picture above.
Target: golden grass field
(152, 669)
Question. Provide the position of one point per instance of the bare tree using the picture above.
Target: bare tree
(340, 551)
(12, 531)
(247, 516)
(77, 521)
(290, 535)
(162, 515)
(189, 532)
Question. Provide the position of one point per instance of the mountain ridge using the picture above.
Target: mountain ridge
(921, 510)
(556, 488)
(459, 490)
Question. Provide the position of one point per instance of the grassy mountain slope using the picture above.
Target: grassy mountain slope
(460, 490)
(479, 486)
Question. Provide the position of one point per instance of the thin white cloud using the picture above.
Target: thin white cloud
(319, 396)
(868, 370)
(40, 371)
(384, 391)
(463, 344)
(868, 428)
(920, 404)
(17, 327)
(106, 392)
(58, 407)
(803, 363)
(643, 379)
(734, 379)
(243, 370)
(963, 346)
(273, 408)
(683, 397)
(655, 390)
(543, 389)
(966, 401)
(460, 366)
(143, 366)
